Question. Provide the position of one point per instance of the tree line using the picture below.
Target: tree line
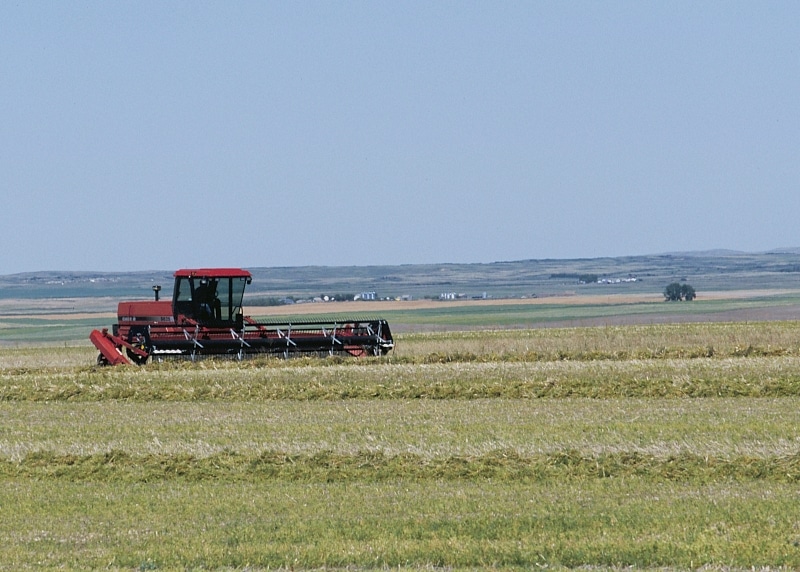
(676, 292)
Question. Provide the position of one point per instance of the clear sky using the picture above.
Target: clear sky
(158, 135)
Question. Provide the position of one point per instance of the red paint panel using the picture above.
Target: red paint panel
(129, 310)
(106, 346)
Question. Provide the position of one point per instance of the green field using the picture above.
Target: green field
(668, 446)
(521, 315)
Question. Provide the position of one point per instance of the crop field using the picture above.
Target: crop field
(68, 321)
(667, 446)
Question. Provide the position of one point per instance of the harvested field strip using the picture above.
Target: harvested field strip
(609, 342)
(589, 524)
(707, 377)
(430, 429)
(323, 467)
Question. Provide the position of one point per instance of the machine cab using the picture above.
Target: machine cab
(210, 296)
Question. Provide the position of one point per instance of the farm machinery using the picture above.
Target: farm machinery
(204, 318)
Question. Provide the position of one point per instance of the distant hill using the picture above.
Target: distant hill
(718, 252)
(709, 270)
(722, 252)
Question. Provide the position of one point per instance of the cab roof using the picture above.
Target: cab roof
(212, 273)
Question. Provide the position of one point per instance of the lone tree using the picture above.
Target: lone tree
(676, 292)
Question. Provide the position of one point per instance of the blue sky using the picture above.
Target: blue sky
(158, 135)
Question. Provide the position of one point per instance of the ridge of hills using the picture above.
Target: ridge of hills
(705, 270)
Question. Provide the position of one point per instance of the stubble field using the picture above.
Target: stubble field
(655, 446)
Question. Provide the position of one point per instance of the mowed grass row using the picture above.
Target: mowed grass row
(652, 341)
(325, 467)
(719, 428)
(323, 380)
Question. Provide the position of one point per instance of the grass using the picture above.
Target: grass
(661, 446)
(649, 341)
(221, 525)
(231, 381)
(36, 331)
(428, 430)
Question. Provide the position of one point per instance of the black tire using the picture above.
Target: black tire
(139, 337)
(136, 358)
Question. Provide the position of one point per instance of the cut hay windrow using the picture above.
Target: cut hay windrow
(372, 466)
(678, 378)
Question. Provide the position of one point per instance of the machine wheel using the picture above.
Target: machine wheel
(102, 361)
(136, 358)
(138, 337)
